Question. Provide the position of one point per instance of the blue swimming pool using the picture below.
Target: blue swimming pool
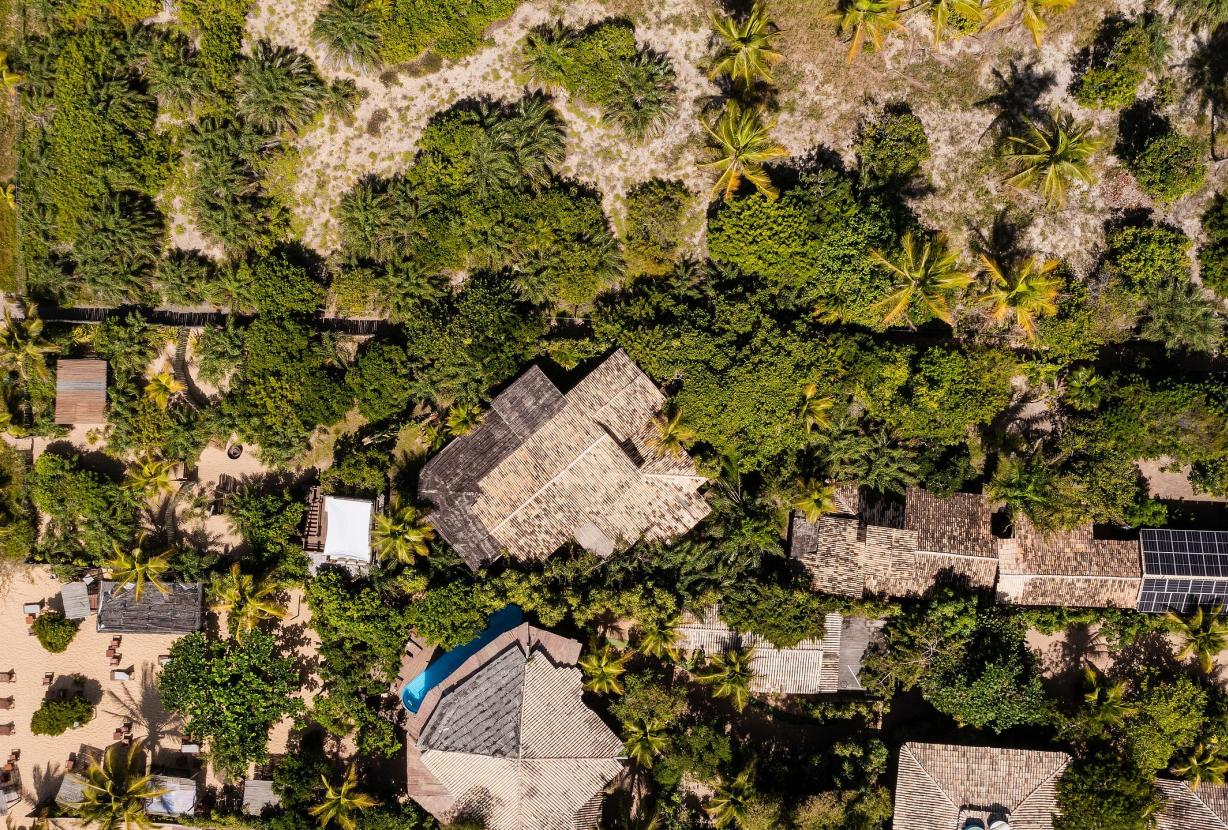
(434, 674)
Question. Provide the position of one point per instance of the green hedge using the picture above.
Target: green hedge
(57, 716)
(55, 631)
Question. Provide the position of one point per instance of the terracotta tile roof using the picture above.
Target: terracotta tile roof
(1184, 809)
(823, 666)
(1071, 568)
(507, 738)
(80, 391)
(937, 786)
(942, 539)
(546, 468)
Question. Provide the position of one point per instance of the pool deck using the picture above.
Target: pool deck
(414, 660)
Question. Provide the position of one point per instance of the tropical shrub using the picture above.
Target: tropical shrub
(893, 146)
(85, 513)
(1109, 72)
(17, 518)
(1213, 256)
(1143, 256)
(656, 225)
(218, 25)
(54, 631)
(379, 380)
(784, 616)
(448, 28)
(57, 715)
(1166, 164)
(603, 65)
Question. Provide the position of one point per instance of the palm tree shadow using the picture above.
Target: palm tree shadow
(293, 639)
(1017, 98)
(46, 782)
(144, 709)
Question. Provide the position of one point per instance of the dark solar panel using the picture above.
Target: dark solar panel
(1186, 553)
(1181, 595)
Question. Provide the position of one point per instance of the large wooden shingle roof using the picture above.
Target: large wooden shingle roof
(1184, 809)
(80, 391)
(937, 785)
(546, 468)
(178, 611)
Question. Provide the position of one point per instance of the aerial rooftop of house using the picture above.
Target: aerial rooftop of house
(1073, 568)
(861, 551)
(338, 530)
(80, 391)
(178, 611)
(825, 666)
(940, 787)
(546, 468)
(1184, 809)
(507, 739)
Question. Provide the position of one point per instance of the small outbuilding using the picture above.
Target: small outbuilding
(75, 597)
(338, 531)
(81, 391)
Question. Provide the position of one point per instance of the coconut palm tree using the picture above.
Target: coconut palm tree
(740, 145)
(864, 19)
(1205, 763)
(1031, 488)
(925, 272)
(1084, 389)
(151, 477)
(137, 566)
(22, 347)
(464, 418)
(1105, 700)
(815, 409)
(402, 534)
(658, 640)
(162, 387)
(730, 675)
(1051, 156)
(603, 669)
(340, 803)
(673, 432)
(1031, 13)
(644, 740)
(746, 55)
(1021, 289)
(115, 790)
(814, 498)
(1180, 317)
(943, 11)
(1204, 634)
(728, 803)
(246, 599)
(348, 30)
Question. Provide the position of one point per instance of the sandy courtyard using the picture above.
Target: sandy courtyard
(42, 758)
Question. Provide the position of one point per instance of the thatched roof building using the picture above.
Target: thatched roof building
(546, 468)
(179, 611)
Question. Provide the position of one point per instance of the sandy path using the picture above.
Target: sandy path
(41, 764)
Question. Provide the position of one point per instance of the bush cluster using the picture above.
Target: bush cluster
(1213, 255)
(54, 631)
(57, 715)
(1110, 71)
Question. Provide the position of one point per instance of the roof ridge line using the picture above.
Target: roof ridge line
(926, 773)
(553, 479)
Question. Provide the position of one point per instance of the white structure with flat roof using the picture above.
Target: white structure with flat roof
(338, 531)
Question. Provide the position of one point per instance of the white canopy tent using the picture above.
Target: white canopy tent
(347, 529)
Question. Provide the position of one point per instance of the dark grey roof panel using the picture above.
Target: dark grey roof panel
(1184, 553)
(528, 402)
(855, 636)
(482, 714)
(178, 611)
(457, 524)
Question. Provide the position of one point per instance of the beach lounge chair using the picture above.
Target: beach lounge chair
(6, 728)
(8, 676)
(48, 678)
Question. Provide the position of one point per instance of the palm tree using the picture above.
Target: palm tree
(402, 534)
(1084, 389)
(730, 674)
(1021, 289)
(349, 32)
(942, 11)
(647, 96)
(464, 418)
(673, 432)
(138, 567)
(1105, 700)
(1204, 763)
(115, 791)
(867, 19)
(341, 802)
(728, 803)
(162, 387)
(740, 145)
(815, 410)
(1179, 316)
(603, 668)
(22, 346)
(151, 477)
(644, 740)
(746, 55)
(813, 498)
(1204, 634)
(927, 272)
(245, 599)
(279, 88)
(1031, 488)
(1031, 13)
(658, 640)
(1052, 156)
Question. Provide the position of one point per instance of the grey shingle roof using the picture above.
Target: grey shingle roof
(546, 467)
(178, 611)
(76, 600)
(1184, 809)
(258, 796)
(482, 714)
(937, 784)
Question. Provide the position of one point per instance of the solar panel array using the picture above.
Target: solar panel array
(1181, 595)
(1188, 553)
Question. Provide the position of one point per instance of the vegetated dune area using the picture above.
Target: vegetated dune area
(758, 414)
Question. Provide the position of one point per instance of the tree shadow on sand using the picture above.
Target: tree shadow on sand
(144, 708)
